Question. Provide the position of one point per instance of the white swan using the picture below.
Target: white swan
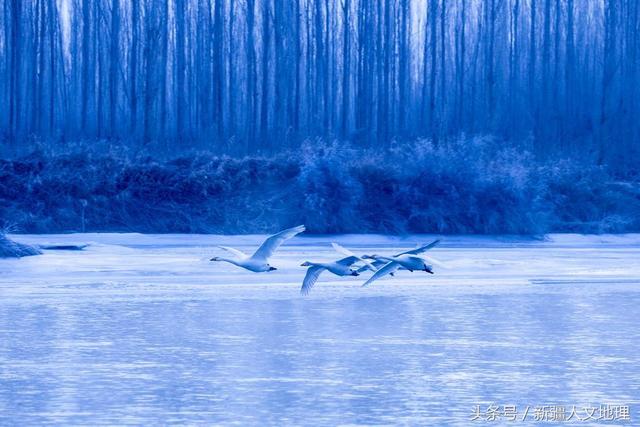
(407, 260)
(368, 265)
(259, 261)
(379, 261)
(374, 265)
(342, 267)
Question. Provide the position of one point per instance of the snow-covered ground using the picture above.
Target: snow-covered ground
(143, 329)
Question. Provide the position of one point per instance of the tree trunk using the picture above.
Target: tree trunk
(133, 66)
(114, 61)
(181, 70)
(346, 68)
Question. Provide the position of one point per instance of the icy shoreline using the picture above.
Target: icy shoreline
(12, 249)
(462, 240)
(176, 266)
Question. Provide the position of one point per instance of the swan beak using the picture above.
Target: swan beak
(272, 268)
(215, 258)
(355, 273)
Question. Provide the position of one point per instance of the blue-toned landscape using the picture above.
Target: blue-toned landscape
(319, 212)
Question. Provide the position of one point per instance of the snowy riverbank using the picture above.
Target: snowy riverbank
(11, 249)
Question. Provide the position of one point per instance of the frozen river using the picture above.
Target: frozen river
(141, 329)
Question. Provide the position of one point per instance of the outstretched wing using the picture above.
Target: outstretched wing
(272, 243)
(350, 260)
(236, 252)
(373, 266)
(310, 279)
(344, 251)
(341, 249)
(419, 250)
(434, 261)
(388, 268)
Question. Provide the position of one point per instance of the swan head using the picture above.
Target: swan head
(305, 264)
(428, 268)
(272, 268)
(354, 273)
(215, 258)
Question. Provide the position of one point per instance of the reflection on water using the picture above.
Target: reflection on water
(360, 360)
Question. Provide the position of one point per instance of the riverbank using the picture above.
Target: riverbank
(11, 249)
(473, 186)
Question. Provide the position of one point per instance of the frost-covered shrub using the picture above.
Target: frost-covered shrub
(466, 186)
(11, 249)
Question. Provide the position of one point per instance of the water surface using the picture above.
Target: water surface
(144, 330)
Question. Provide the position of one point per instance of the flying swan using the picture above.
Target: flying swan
(342, 267)
(259, 261)
(407, 260)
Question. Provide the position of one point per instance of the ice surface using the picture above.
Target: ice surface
(143, 329)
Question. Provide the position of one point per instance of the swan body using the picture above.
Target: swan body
(409, 262)
(259, 261)
(257, 266)
(342, 267)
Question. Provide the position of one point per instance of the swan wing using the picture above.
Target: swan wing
(344, 251)
(372, 266)
(236, 252)
(350, 260)
(419, 250)
(269, 246)
(310, 279)
(434, 261)
(388, 268)
(341, 249)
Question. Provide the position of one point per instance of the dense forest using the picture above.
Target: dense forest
(248, 76)
(463, 116)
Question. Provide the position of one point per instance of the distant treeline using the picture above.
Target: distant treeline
(241, 76)
(471, 186)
